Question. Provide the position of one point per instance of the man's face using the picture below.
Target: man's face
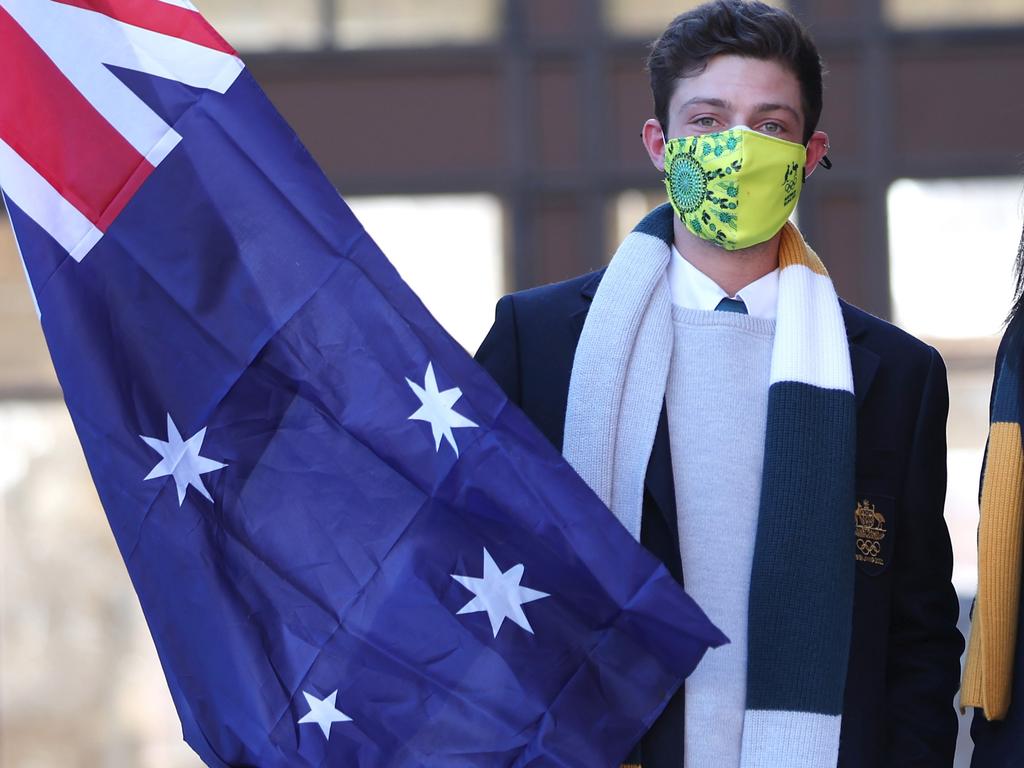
(736, 90)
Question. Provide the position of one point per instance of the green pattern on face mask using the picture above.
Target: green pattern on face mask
(689, 186)
(735, 188)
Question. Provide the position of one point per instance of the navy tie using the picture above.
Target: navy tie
(732, 305)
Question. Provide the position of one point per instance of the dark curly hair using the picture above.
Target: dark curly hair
(741, 28)
(1018, 282)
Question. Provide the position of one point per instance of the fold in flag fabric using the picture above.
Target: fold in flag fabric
(351, 550)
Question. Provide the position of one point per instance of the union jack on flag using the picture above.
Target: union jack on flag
(349, 547)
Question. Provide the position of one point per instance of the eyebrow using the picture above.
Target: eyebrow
(705, 100)
(759, 109)
(770, 107)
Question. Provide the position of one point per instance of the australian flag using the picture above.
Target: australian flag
(351, 550)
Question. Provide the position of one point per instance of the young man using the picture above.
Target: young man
(781, 451)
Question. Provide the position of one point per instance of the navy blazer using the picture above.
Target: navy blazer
(903, 669)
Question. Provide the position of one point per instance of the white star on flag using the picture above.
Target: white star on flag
(181, 459)
(436, 408)
(499, 594)
(323, 713)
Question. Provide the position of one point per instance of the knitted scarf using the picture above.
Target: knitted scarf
(988, 672)
(801, 586)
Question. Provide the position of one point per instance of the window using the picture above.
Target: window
(952, 244)
(629, 18)
(448, 248)
(258, 25)
(367, 23)
(915, 14)
(627, 210)
(25, 365)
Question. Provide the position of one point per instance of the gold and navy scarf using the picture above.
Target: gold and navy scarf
(801, 587)
(988, 672)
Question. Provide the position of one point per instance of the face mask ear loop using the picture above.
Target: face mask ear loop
(825, 163)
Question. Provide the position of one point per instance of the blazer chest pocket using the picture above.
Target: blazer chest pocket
(874, 523)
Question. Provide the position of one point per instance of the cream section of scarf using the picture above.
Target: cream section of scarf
(619, 375)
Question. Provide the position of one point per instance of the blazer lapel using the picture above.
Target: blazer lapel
(863, 361)
(579, 315)
(658, 481)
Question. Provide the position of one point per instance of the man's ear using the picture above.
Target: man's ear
(817, 148)
(654, 143)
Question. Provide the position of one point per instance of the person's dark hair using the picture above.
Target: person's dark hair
(741, 28)
(1018, 281)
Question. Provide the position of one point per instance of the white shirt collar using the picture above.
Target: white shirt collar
(692, 289)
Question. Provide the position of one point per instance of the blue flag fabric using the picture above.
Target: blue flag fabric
(351, 550)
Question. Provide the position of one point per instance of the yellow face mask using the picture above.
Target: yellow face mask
(735, 188)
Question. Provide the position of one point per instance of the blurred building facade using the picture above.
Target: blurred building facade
(491, 145)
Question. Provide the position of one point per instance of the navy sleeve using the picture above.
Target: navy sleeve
(499, 352)
(923, 670)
